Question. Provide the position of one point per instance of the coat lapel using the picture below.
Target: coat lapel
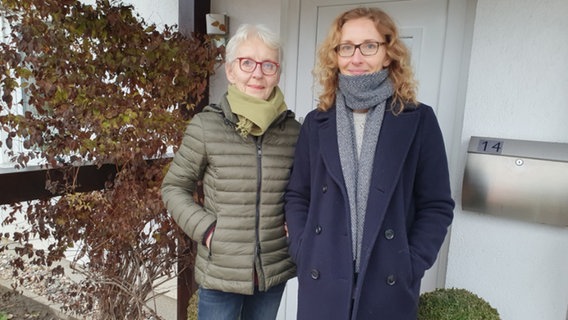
(397, 134)
(328, 146)
(395, 139)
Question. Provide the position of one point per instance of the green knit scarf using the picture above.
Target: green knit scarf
(255, 115)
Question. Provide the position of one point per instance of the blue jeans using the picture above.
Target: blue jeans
(219, 305)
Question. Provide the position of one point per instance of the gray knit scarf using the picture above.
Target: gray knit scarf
(368, 91)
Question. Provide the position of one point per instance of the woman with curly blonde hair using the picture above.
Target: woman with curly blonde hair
(400, 70)
(368, 203)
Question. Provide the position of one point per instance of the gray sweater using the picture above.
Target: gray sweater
(244, 181)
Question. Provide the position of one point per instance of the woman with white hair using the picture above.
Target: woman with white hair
(242, 149)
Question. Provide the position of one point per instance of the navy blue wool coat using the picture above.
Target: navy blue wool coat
(408, 213)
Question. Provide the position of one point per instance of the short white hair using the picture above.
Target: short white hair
(247, 31)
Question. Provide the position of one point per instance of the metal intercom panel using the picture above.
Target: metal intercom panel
(521, 179)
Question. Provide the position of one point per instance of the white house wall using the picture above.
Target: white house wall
(162, 12)
(517, 89)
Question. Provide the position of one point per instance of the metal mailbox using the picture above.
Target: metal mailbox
(525, 180)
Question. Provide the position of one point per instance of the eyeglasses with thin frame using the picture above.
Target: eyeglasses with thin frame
(267, 67)
(367, 48)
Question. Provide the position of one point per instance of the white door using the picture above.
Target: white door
(437, 34)
(422, 26)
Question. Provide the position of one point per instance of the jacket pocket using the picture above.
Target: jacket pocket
(211, 241)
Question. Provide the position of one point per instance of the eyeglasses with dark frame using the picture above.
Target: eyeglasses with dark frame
(267, 67)
(367, 48)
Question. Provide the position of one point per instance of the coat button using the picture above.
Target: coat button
(324, 189)
(391, 280)
(389, 234)
(318, 229)
(315, 274)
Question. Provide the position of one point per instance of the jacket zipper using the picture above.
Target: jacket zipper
(259, 273)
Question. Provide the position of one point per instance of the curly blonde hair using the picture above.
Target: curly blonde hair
(400, 71)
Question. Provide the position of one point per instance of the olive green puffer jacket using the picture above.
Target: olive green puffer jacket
(244, 181)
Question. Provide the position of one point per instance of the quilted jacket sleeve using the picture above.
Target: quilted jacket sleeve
(186, 169)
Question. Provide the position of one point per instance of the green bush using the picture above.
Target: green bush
(454, 304)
